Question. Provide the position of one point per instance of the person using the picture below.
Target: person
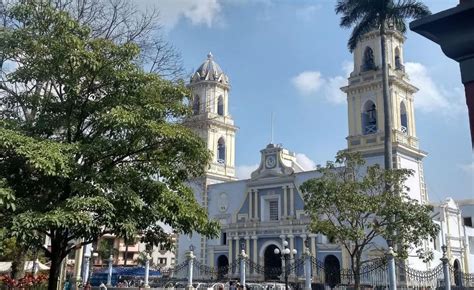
(102, 286)
(232, 286)
(67, 285)
(88, 286)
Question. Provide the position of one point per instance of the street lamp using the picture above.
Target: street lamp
(285, 256)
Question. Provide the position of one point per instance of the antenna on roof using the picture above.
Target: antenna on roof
(271, 136)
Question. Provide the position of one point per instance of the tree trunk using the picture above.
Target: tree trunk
(357, 278)
(57, 256)
(54, 272)
(18, 264)
(355, 265)
(387, 106)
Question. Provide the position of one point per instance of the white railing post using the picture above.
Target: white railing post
(190, 270)
(109, 276)
(147, 270)
(243, 256)
(307, 270)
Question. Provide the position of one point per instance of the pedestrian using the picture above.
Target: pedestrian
(102, 286)
(88, 286)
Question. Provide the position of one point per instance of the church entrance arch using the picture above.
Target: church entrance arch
(272, 263)
(457, 273)
(222, 267)
(332, 270)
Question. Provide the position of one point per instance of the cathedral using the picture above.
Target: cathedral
(262, 213)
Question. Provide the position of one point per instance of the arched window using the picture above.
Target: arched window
(398, 61)
(368, 62)
(403, 118)
(221, 151)
(220, 106)
(369, 118)
(196, 105)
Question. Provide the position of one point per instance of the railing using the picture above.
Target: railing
(370, 129)
(404, 130)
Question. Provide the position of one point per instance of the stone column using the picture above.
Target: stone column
(303, 238)
(250, 205)
(247, 245)
(283, 264)
(255, 250)
(291, 244)
(313, 244)
(255, 194)
(285, 201)
(229, 243)
(236, 252)
(292, 201)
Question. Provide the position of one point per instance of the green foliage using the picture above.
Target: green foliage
(106, 248)
(368, 15)
(351, 203)
(90, 143)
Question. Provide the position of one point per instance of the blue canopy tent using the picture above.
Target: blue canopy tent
(100, 276)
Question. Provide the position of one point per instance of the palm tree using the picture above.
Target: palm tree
(368, 15)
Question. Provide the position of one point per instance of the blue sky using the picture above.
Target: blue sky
(290, 58)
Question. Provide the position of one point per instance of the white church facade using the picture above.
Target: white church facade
(258, 214)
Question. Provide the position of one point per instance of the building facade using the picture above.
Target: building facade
(258, 214)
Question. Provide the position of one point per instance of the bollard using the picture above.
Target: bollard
(243, 256)
(109, 276)
(147, 270)
(391, 269)
(190, 270)
(307, 270)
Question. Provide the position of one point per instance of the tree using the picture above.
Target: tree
(121, 22)
(355, 208)
(367, 15)
(90, 143)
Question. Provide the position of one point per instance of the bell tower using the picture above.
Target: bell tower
(211, 120)
(365, 108)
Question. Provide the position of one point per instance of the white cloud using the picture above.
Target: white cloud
(202, 12)
(313, 84)
(244, 171)
(308, 82)
(432, 97)
(468, 168)
(308, 12)
(305, 161)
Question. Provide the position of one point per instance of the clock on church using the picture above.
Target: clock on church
(270, 161)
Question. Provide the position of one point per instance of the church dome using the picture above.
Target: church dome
(210, 71)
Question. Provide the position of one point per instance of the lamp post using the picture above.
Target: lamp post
(285, 256)
(190, 257)
(445, 260)
(392, 279)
